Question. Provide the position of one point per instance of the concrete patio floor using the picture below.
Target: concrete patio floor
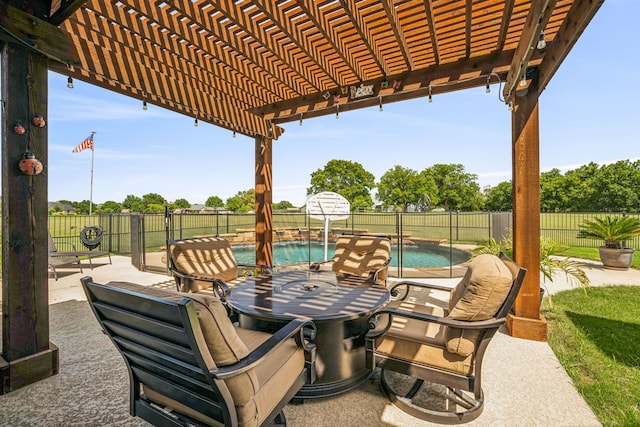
(524, 384)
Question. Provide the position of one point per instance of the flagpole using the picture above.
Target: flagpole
(91, 189)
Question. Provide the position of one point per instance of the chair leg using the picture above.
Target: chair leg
(280, 420)
(466, 407)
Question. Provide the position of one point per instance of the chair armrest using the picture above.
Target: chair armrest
(220, 289)
(302, 330)
(409, 284)
(316, 265)
(375, 271)
(390, 312)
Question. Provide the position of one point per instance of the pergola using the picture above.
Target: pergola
(249, 66)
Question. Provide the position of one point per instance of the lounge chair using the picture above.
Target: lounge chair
(443, 345)
(189, 366)
(74, 253)
(360, 255)
(63, 262)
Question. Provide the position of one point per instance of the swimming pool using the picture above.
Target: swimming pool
(413, 256)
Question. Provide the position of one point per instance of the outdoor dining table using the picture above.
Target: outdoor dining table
(338, 304)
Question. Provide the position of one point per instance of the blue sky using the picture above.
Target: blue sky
(588, 113)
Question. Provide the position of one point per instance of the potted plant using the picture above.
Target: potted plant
(613, 231)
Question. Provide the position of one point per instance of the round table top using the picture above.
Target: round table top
(317, 295)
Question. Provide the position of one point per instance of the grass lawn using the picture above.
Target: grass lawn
(596, 336)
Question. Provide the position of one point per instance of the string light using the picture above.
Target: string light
(234, 133)
(337, 111)
(430, 97)
(70, 82)
(300, 124)
(523, 80)
(488, 88)
(380, 107)
(144, 105)
(542, 43)
(195, 122)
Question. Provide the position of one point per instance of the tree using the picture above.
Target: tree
(181, 204)
(283, 205)
(243, 201)
(500, 197)
(349, 179)
(457, 189)
(214, 202)
(553, 191)
(154, 208)
(401, 188)
(110, 207)
(133, 203)
(152, 199)
(616, 187)
(81, 208)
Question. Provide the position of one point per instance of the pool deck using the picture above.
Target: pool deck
(524, 383)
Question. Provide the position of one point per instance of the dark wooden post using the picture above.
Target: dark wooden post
(264, 201)
(525, 321)
(27, 354)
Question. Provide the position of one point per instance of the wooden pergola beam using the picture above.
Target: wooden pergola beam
(27, 355)
(537, 18)
(437, 80)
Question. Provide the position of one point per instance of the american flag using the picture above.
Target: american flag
(87, 143)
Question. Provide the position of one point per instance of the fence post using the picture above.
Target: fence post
(134, 220)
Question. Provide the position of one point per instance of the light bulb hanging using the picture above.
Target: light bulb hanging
(488, 88)
(542, 43)
(70, 82)
(523, 80)
(234, 133)
(300, 124)
(195, 121)
(337, 111)
(380, 107)
(144, 105)
(430, 96)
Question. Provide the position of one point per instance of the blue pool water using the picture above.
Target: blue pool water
(413, 256)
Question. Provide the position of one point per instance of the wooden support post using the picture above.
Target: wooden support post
(264, 201)
(525, 321)
(27, 355)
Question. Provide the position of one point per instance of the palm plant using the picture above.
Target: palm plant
(613, 230)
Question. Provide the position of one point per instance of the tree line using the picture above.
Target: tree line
(590, 188)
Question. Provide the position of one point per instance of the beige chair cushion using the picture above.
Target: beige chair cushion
(359, 255)
(276, 376)
(421, 343)
(488, 284)
(206, 257)
(478, 296)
